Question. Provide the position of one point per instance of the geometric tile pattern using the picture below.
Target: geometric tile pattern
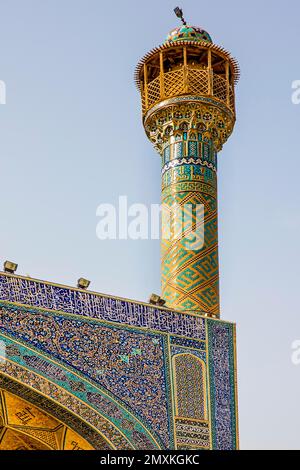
(223, 390)
(190, 276)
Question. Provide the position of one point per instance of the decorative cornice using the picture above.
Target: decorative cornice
(190, 99)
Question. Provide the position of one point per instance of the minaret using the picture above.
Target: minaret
(188, 105)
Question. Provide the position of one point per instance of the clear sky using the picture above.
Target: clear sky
(71, 138)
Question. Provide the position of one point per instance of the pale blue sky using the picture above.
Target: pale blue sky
(71, 138)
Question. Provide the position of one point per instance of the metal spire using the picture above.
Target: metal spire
(179, 13)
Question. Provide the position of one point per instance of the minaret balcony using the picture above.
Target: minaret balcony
(189, 80)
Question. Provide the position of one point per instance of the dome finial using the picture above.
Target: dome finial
(179, 13)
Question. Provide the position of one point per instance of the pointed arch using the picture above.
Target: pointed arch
(190, 387)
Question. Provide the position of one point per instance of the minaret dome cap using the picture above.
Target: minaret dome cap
(188, 33)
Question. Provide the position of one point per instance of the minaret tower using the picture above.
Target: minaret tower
(188, 105)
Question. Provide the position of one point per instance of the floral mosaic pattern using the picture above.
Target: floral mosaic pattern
(222, 384)
(190, 387)
(125, 367)
(121, 360)
(70, 385)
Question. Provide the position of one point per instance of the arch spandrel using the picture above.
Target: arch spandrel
(96, 414)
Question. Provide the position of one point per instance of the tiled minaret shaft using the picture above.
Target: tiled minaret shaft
(187, 90)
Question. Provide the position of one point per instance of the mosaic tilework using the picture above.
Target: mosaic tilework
(191, 98)
(120, 360)
(188, 343)
(190, 276)
(188, 135)
(120, 371)
(222, 385)
(59, 298)
(192, 434)
(200, 353)
(191, 399)
(190, 379)
(26, 364)
(188, 33)
(187, 161)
